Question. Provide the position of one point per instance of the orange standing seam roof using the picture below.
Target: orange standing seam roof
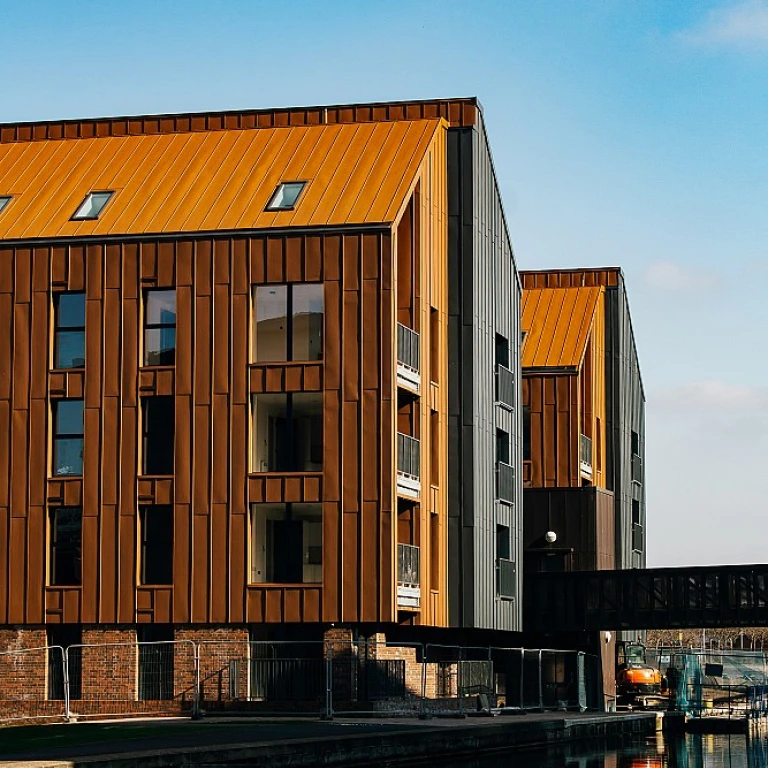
(557, 322)
(217, 180)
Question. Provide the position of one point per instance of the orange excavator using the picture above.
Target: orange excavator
(638, 684)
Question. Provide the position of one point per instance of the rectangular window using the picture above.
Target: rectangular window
(158, 423)
(502, 447)
(67, 437)
(637, 527)
(635, 444)
(286, 544)
(288, 432)
(69, 330)
(160, 327)
(503, 548)
(526, 433)
(286, 195)
(502, 350)
(156, 544)
(65, 558)
(288, 322)
(92, 206)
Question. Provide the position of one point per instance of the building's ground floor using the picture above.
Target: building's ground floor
(78, 671)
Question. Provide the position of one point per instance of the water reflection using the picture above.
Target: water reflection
(690, 751)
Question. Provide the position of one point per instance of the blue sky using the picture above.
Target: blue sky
(627, 132)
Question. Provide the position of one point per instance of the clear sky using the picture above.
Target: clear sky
(625, 132)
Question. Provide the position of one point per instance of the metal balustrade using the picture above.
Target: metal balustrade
(408, 356)
(637, 469)
(408, 576)
(506, 577)
(585, 455)
(408, 465)
(505, 386)
(505, 482)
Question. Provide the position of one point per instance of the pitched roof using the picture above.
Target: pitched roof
(557, 322)
(216, 180)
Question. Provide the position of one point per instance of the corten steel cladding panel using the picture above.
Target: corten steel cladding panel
(457, 112)
(212, 383)
(209, 181)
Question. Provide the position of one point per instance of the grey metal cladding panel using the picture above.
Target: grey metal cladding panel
(626, 408)
(496, 309)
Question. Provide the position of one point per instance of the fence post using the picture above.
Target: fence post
(196, 673)
(541, 685)
(65, 663)
(423, 713)
(491, 691)
(329, 682)
(522, 676)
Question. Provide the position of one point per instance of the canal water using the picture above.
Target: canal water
(690, 751)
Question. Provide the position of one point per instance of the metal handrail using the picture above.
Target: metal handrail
(585, 450)
(408, 455)
(506, 577)
(408, 347)
(408, 565)
(505, 386)
(505, 482)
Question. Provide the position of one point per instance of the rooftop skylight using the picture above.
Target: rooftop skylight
(286, 195)
(92, 206)
(4, 200)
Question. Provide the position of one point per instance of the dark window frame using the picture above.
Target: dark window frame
(150, 326)
(289, 320)
(57, 436)
(76, 216)
(59, 329)
(527, 451)
(273, 206)
(145, 403)
(501, 344)
(54, 552)
(508, 453)
(158, 564)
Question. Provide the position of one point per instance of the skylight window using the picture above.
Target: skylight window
(92, 206)
(4, 200)
(286, 195)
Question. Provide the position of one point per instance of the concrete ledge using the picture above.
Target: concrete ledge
(415, 743)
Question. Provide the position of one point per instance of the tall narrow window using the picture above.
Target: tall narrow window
(68, 437)
(286, 543)
(158, 424)
(526, 433)
(92, 206)
(65, 536)
(288, 432)
(503, 548)
(635, 444)
(502, 447)
(288, 322)
(69, 334)
(502, 350)
(156, 544)
(160, 327)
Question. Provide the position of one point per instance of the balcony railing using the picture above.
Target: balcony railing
(637, 537)
(505, 482)
(637, 469)
(408, 353)
(408, 465)
(408, 576)
(506, 578)
(505, 386)
(585, 455)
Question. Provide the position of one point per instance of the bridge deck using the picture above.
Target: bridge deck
(654, 598)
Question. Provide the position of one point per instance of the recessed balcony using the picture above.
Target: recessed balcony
(408, 577)
(408, 355)
(408, 466)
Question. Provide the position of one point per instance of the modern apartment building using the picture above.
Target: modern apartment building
(260, 371)
(584, 423)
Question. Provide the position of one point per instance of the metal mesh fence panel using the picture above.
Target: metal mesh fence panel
(32, 684)
(132, 678)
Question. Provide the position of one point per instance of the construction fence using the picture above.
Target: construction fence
(323, 678)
